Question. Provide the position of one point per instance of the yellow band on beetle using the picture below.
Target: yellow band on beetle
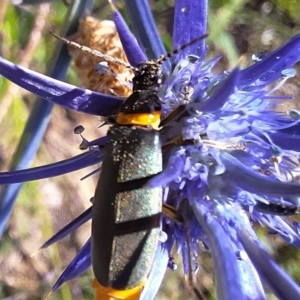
(144, 119)
(108, 293)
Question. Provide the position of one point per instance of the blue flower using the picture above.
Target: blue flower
(230, 157)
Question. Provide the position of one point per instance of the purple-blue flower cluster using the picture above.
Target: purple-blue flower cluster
(230, 158)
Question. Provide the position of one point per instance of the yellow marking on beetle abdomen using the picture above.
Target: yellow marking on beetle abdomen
(142, 119)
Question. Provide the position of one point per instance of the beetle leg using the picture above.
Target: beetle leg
(172, 213)
(176, 113)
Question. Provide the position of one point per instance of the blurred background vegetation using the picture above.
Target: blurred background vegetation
(236, 28)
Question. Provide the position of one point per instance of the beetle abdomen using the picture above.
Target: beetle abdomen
(125, 213)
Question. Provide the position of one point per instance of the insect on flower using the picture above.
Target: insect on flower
(228, 159)
(126, 213)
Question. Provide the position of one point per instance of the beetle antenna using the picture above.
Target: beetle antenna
(168, 55)
(93, 52)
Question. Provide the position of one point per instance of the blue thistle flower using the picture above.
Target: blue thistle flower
(230, 157)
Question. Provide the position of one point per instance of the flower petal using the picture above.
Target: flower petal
(145, 29)
(171, 172)
(227, 270)
(73, 225)
(9, 195)
(61, 93)
(280, 226)
(133, 51)
(278, 281)
(295, 129)
(40, 114)
(223, 91)
(252, 182)
(66, 166)
(190, 22)
(80, 264)
(270, 67)
(285, 141)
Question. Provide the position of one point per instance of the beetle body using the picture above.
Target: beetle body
(126, 214)
(125, 221)
(126, 218)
